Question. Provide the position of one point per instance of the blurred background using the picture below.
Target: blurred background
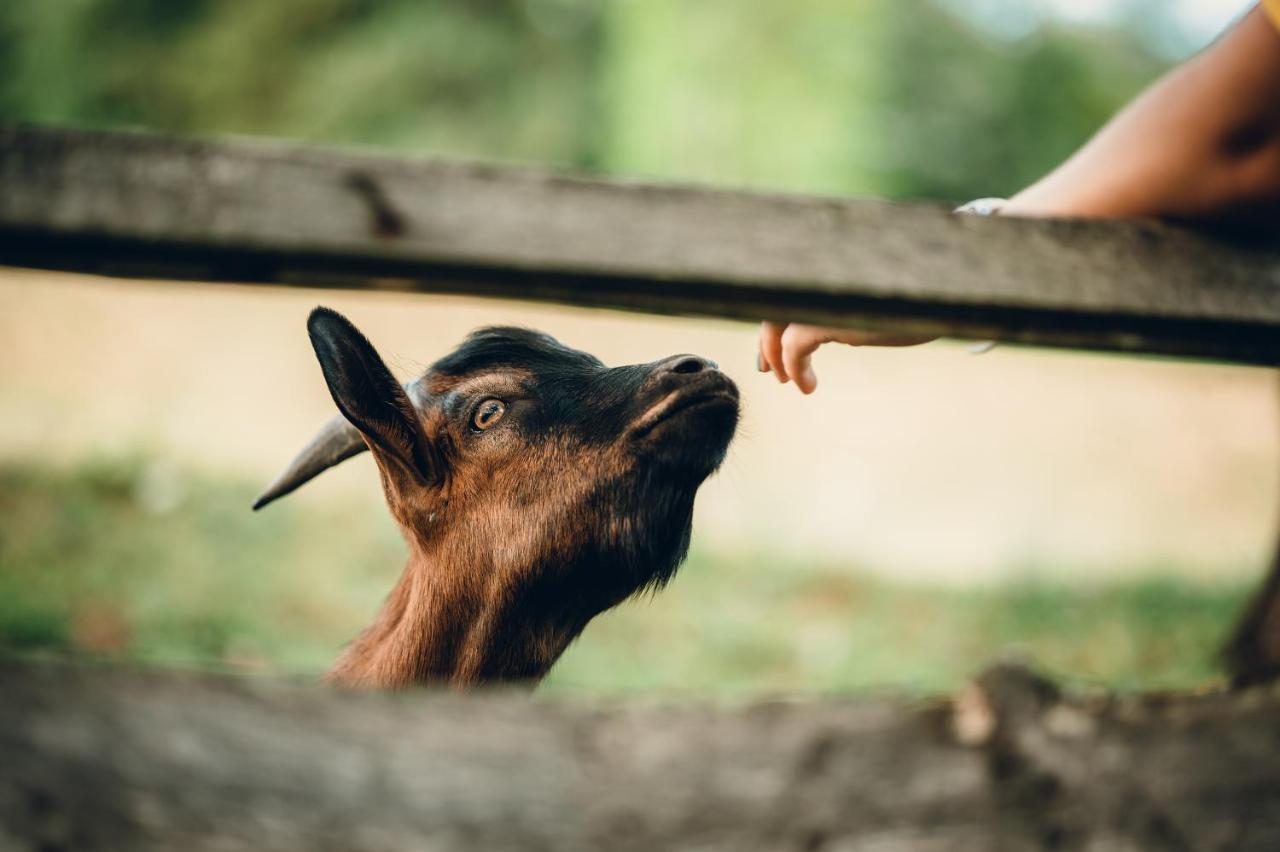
(923, 512)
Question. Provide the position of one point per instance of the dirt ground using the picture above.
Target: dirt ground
(928, 462)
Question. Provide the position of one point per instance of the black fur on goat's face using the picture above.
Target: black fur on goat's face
(567, 484)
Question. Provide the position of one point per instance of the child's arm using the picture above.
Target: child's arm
(1202, 143)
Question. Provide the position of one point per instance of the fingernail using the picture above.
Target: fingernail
(810, 379)
(761, 364)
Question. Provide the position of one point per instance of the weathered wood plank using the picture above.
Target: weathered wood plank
(154, 206)
(102, 759)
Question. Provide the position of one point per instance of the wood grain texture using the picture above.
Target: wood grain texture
(153, 206)
(117, 759)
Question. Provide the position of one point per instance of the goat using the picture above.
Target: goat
(536, 488)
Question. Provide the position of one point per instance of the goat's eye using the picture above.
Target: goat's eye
(488, 413)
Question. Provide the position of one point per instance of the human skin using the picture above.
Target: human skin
(1200, 144)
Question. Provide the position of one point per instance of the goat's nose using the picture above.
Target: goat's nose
(685, 364)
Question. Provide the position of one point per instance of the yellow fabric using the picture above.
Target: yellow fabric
(1272, 8)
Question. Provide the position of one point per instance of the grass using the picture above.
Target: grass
(126, 559)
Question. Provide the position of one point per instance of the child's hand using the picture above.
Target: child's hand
(786, 348)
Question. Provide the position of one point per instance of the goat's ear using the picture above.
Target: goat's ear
(371, 399)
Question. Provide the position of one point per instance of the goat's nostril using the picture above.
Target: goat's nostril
(691, 364)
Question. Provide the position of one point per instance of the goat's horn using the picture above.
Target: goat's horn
(335, 443)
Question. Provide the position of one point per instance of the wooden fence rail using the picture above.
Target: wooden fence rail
(155, 206)
(102, 759)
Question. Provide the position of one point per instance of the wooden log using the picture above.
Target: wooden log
(154, 206)
(112, 759)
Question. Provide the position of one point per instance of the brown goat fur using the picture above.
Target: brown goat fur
(535, 487)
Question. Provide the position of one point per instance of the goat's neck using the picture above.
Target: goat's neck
(445, 626)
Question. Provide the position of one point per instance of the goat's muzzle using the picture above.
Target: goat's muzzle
(682, 387)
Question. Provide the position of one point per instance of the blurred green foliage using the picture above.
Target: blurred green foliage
(134, 560)
(846, 96)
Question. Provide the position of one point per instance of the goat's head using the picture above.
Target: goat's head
(553, 487)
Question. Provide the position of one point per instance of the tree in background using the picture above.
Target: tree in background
(499, 78)
(870, 96)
